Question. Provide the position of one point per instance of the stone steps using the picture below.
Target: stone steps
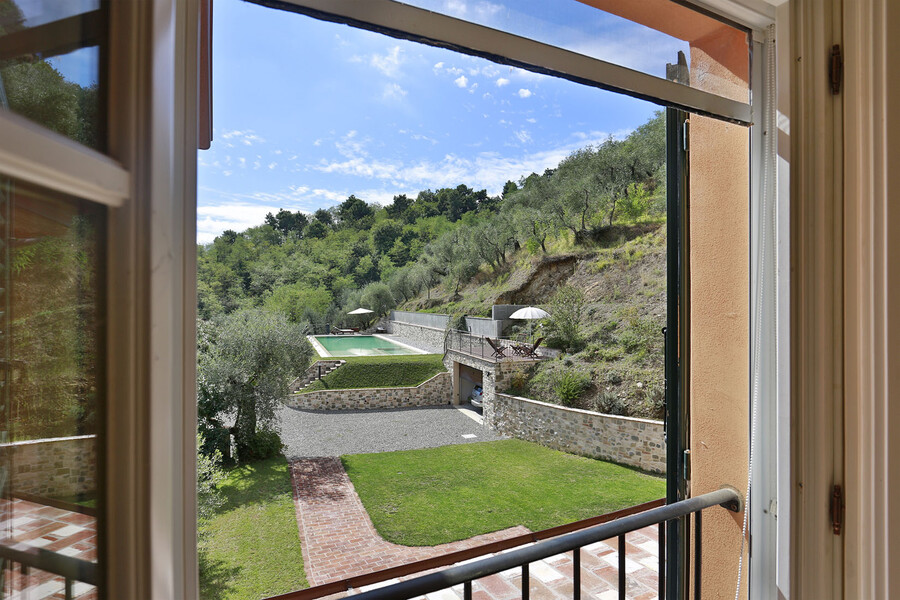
(312, 373)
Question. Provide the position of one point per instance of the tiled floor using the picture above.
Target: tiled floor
(339, 541)
(36, 526)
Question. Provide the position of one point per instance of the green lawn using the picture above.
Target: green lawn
(381, 371)
(429, 497)
(251, 548)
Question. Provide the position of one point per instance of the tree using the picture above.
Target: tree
(384, 234)
(355, 213)
(324, 217)
(246, 362)
(564, 323)
(400, 208)
(377, 297)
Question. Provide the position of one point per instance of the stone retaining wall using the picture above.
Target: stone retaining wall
(54, 467)
(429, 337)
(435, 391)
(635, 442)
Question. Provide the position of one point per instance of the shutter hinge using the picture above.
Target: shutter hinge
(837, 69)
(686, 136)
(686, 466)
(837, 509)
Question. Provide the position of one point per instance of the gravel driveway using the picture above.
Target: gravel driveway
(309, 433)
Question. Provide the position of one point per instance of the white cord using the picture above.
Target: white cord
(768, 164)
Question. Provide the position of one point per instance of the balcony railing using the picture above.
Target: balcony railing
(479, 346)
(521, 558)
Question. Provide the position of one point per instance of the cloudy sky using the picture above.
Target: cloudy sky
(306, 112)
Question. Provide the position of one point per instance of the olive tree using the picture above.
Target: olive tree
(246, 362)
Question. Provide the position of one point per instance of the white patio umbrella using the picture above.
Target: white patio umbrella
(530, 313)
(360, 311)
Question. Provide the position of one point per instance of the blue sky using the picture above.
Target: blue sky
(306, 112)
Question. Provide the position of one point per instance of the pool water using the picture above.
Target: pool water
(361, 345)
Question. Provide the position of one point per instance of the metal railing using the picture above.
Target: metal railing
(521, 558)
(478, 346)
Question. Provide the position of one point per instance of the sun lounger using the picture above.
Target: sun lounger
(499, 350)
(532, 352)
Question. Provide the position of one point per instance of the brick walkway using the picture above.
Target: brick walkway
(339, 541)
(37, 526)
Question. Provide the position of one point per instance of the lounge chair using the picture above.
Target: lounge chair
(339, 331)
(499, 350)
(532, 352)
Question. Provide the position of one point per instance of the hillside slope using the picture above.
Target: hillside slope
(619, 366)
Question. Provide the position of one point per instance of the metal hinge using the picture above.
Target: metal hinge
(836, 70)
(837, 509)
(686, 136)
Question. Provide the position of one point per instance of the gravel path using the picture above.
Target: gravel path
(310, 433)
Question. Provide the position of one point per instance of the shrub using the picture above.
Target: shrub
(564, 323)
(266, 443)
(569, 385)
(209, 476)
(610, 403)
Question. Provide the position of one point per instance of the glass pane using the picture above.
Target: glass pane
(50, 65)
(50, 386)
(646, 36)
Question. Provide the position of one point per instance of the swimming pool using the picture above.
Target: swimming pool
(359, 345)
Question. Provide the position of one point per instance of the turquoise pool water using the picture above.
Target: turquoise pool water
(361, 345)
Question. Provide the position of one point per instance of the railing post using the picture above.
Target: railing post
(526, 584)
(576, 574)
(622, 567)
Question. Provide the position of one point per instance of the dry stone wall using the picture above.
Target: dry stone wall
(625, 440)
(435, 391)
(54, 467)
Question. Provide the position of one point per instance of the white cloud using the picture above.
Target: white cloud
(393, 91)
(473, 88)
(486, 170)
(461, 81)
(524, 93)
(438, 66)
(531, 120)
(272, 165)
(318, 142)
(242, 162)
(502, 81)
(388, 64)
(248, 137)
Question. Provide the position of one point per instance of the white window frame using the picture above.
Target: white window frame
(148, 184)
(768, 570)
(32, 153)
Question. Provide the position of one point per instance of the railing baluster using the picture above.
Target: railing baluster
(622, 567)
(661, 574)
(576, 574)
(526, 584)
(698, 552)
(68, 589)
(467, 590)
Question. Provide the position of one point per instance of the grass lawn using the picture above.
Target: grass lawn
(381, 371)
(251, 548)
(438, 495)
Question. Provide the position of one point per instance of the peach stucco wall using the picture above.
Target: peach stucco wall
(720, 280)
